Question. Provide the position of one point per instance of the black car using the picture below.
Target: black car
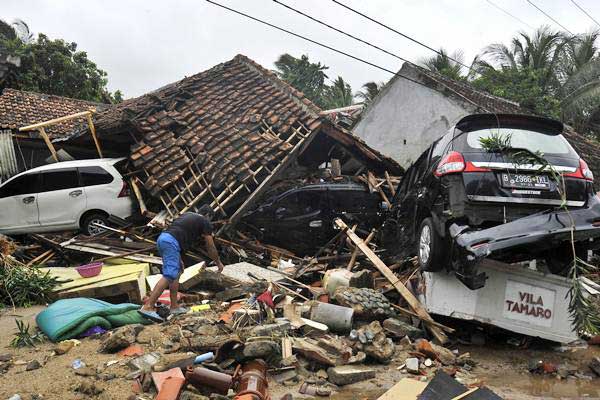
(463, 200)
(301, 219)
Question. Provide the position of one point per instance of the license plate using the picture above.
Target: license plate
(524, 181)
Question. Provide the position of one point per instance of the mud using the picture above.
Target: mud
(500, 366)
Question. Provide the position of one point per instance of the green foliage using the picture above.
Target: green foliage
(23, 338)
(523, 86)
(444, 64)
(585, 314)
(338, 95)
(369, 91)
(23, 286)
(310, 79)
(496, 142)
(304, 75)
(52, 67)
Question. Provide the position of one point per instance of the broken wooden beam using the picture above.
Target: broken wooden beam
(412, 301)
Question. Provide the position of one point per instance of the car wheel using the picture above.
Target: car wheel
(431, 248)
(559, 259)
(88, 226)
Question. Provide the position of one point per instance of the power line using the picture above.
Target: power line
(547, 15)
(585, 12)
(342, 32)
(396, 74)
(316, 42)
(402, 34)
(509, 14)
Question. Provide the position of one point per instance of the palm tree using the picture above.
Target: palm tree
(338, 95)
(540, 52)
(369, 92)
(445, 64)
(304, 75)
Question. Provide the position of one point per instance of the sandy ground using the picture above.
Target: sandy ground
(501, 367)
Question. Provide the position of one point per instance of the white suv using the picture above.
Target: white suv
(63, 196)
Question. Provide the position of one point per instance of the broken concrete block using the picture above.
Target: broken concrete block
(278, 328)
(347, 374)
(446, 356)
(120, 338)
(400, 328)
(264, 349)
(325, 351)
(412, 365)
(373, 342)
(33, 364)
(144, 363)
(435, 352)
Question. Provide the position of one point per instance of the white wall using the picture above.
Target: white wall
(407, 111)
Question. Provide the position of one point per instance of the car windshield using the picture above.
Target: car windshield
(523, 139)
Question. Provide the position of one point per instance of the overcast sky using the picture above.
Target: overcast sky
(144, 44)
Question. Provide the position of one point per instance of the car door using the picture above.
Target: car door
(19, 204)
(407, 200)
(61, 199)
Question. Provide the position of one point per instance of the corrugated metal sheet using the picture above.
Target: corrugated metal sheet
(8, 158)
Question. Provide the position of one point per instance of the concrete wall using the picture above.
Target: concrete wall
(406, 118)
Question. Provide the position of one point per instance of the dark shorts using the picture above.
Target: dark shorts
(169, 250)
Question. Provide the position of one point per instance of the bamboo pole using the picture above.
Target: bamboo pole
(93, 132)
(48, 143)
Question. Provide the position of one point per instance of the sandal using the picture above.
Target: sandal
(151, 315)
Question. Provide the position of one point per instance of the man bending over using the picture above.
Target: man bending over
(183, 233)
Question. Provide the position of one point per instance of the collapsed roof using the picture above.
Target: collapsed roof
(222, 135)
(19, 108)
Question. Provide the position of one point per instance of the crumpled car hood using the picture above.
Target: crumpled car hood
(537, 232)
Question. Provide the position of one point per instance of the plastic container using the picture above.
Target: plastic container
(204, 357)
(90, 270)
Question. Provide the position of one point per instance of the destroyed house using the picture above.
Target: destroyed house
(223, 136)
(20, 151)
(406, 117)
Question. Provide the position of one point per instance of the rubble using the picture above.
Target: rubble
(347, 374)
(314, 318)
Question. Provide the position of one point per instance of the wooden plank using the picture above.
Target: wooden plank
(102, 252)
(391, 277)
(389, 182)
(93, 132)
(56, 120)
(48, 143)
(406, 389)
(138, 195)
(286, 347)
(291, 156)
(465, 394)
(355, 251)
(412, 314)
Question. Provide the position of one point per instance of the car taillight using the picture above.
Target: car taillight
(124, 190)
(582, 172)
(453, 162)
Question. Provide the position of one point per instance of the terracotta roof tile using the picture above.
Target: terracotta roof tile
(19, 108)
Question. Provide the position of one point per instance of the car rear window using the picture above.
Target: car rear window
(94, 175)
(524, 139)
